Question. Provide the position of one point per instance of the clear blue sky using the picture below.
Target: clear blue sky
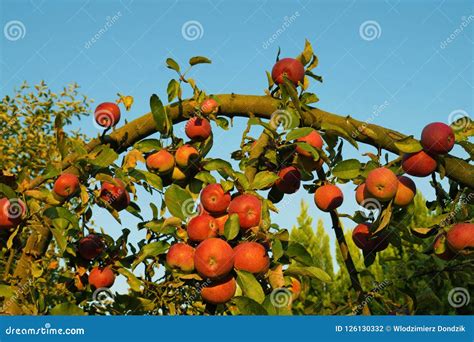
(404, 64)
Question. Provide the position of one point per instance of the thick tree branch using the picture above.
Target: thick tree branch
(233, 105)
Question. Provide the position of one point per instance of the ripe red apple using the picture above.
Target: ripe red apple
(447, 254)
(406, 191)
(161, 162)
(312, 139)
(438, 138)
(107, 114)
(209, 106)
(289, 181)
(292, 68)
(11, 212)
(220, 291)
(66, 185)
(249, 209)
(364, 239)
(214, 199)
(461, 236)
(101, 277)
(186, 156)
(202, 227)
(328, 197)
(213, 258)
(198, 129)
(361, 194)
(251, 257)
(382, 184)
(181, 256)
(419, 164)
(90, 246)
(115, 194)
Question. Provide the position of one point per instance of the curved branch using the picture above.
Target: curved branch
(233, 105)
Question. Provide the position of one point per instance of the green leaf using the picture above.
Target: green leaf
(6, 291)
(132, 280)
(178, 201)
(232, 227)
(173, 90)
(222, 123)
(102, 156)
(60, 212)
(347, 169)
(199, 60)
(298, 133)
(148, 145)
(277, 249)
(219, 165)
(408, 145)
(7, 191)
(308, 98)
(326, 126)
(205, 177)
(50, 172)
(151, 250)
(305, 56)
(59, 229)
(153, 179)
(314, 76)
(297, 252)
(248, 306)
(250, 286)
(66, 309)
(308, 148)
(264, 179)
(159, 114)
(172, 64)
(242, 180)
(311, 271)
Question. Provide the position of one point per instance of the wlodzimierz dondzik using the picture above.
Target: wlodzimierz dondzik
(424, 328)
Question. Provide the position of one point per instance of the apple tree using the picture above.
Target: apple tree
(211, 246)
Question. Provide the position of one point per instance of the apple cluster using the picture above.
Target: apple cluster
(437, 138)
(209, 254)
